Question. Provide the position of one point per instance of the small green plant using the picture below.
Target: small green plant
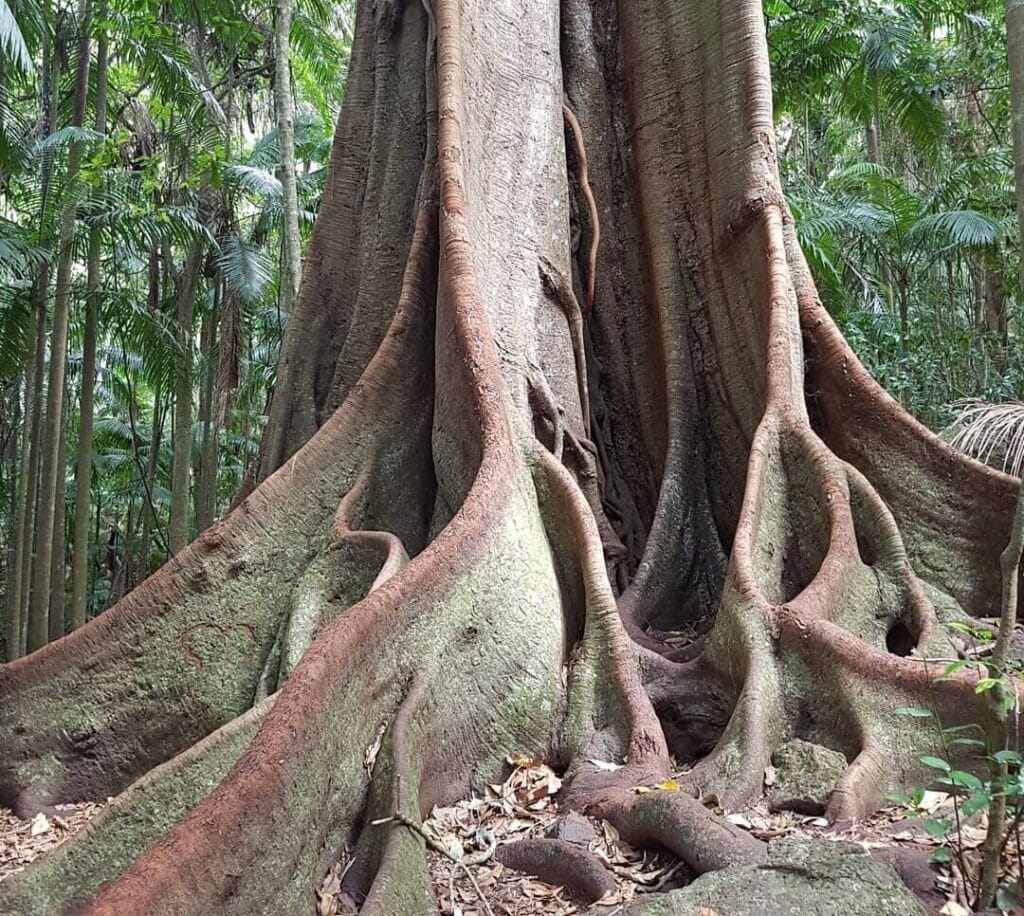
(968, 793)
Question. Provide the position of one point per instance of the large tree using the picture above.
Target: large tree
(483, 498)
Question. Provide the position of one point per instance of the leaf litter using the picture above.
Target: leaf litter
(24, 841)
(525, 805)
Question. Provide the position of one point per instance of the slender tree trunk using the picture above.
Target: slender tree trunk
(1001, 701)
(58, 570)
(181, 461)
(206, 497)
(50, 80)
(873, 132)
(40, 604)
(33, 449)
(16, 597)
(1011, 556)
(12, 585)
(291, 245)
(1015, 52)
(83, 461)
(149, 519)
(873, 141)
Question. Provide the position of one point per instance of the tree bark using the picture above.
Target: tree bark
(51, 441)
(1001, 702)
(83, 460)
(12, 577)
(206, 496)
(181, 460)
(1015, 56)
(58, 569)
(15, 599)
(149, 517)
(432, 551)
(284, 113)
(27, 504)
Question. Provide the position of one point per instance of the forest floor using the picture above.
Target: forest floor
(525, 805)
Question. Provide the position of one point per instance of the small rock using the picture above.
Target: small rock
(573, 828)
(913, 865)
(809, 878)
(805, 776)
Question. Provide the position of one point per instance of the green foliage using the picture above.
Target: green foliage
(912, 241)
(186, 160)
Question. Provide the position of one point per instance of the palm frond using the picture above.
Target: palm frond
(959, 229)
(254, 180)
(245, 269)
(992, 433)
(12, 41)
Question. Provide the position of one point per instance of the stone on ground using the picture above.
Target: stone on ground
(805, 776)
(802, 878)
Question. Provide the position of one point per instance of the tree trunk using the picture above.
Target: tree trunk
(149, 519)
(1015, 55)
(15, 600)
(284, 114)
(58, 569)
(181, 460)
(1011, 556)
(432, 546)
(83, 459)
(12, 577)
(206, 497)
(50, 471)
(27, 504)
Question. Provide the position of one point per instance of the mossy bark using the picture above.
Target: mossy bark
(485, 565)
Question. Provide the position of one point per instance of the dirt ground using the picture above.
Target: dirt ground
(525, 805)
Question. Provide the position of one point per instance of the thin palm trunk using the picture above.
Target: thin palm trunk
(181, 461)
(207, 494)
(40, 603)
(13, 572)
(83, 460)
(1012, 555)
(18, 566)
(284, 110)
(149, 509)
(27, 504)
(58, 572)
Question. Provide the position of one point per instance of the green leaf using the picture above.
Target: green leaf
(937, 827)
(974, 804)
(942, 854)
(967, 742)
(964, 780)
(936, 763)
(1008, 757)
(953, 667)
(12, 42)
(986, 683)
(1007, 898)
(914, 712)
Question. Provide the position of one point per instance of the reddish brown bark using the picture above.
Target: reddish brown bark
(488, 564)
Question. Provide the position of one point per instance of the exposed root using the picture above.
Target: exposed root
(683, 825)
(588, 196)
(400, 879)
(604, 647)
(560, 288)
(562, 863)
(545, 406)
(136, 818)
